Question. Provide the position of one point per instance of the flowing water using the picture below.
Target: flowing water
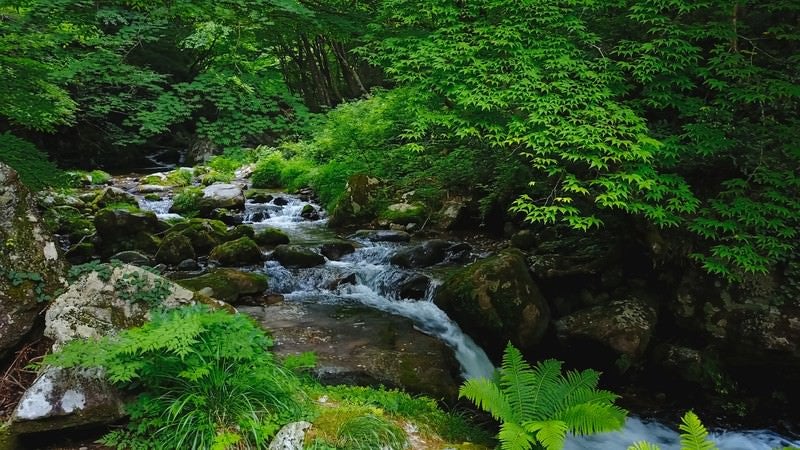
(376, 287)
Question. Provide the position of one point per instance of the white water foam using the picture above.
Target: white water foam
(668, 439)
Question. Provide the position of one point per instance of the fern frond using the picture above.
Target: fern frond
(519, 383)
(591, 418)
(545, 379)
(551, 434)
(488, 396)
(694, 435)
(514, 437)
(644, 445)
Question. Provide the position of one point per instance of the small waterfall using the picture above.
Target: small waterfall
(160, 207)
(375, 287)
(668, 439)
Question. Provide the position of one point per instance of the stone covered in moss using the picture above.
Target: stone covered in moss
(405, 213)
(204, 234)
(126, 229)
(624, 326)
(114, 196)
(271, 236)
(296, 256)
(227, 284)
(239, 252)
(68, 221)
(495, 300)
(30, 267)
(175, 248)
(358, 204)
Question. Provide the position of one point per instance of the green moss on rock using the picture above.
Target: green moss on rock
(240, 252)
(228, 284)
(271, 236)
(175, 248)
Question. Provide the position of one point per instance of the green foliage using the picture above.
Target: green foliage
(539, 405)
(33, 167)
(355, 428)
(267, 173)
(206, 377)
(103, 270)
(32, 279)
(694, 436)
(135, 287)
(186, 202)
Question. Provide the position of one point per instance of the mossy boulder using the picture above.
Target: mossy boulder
(175, 248)
(241, 231)
(404, 213)
(423, 255)
(495, 300)
(239, 252)
(114, 196)
(121, 229)
(309, 212)
(258, 196)
(31, 269)
(271, 236)
(227, 284)
(68, 221)
(358, 204)
(623, 326)
(204, 234)
(295, 256)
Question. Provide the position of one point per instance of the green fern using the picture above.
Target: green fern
(539, 405)
(694, 436)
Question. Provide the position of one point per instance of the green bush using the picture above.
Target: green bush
(267, 173)
(33, 167)
(205, 377)
(187, 201)
(298, 173)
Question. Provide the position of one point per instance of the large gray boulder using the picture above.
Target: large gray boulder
(96, 305)
(30, 267)
(221, 195)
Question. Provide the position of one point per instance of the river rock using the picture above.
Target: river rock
(423, 255)
(382, 235)
(187, 265)
(205, 234)
(404, 213)
(624, 326)
(337, 250)
(309, 212)
(133, 258)
(221, 195)
(226, 216)
(290, 437)
(257, 196)
(114, 195)
(414, 287)
(239, 252)
(495, 301)
(271, 236)
(280, 201)
(349, 279)
(112, 223)
(174, 249)
(358, 345)
(295, 256)
(356, 205)
(80, 253)
(457, 213)
(151, 189)
(95, 305)
(26, 250)
(68, 221)
(241, 231)
(227, 284)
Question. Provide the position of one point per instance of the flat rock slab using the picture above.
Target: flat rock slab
(363, 346)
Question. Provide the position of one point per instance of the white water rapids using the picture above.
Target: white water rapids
(375, 287)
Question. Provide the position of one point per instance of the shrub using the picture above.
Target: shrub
(206, 377)
(33, 167)
(186, 202)
(298, 173)
(267, 173)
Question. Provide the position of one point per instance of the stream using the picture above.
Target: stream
(375, 287)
